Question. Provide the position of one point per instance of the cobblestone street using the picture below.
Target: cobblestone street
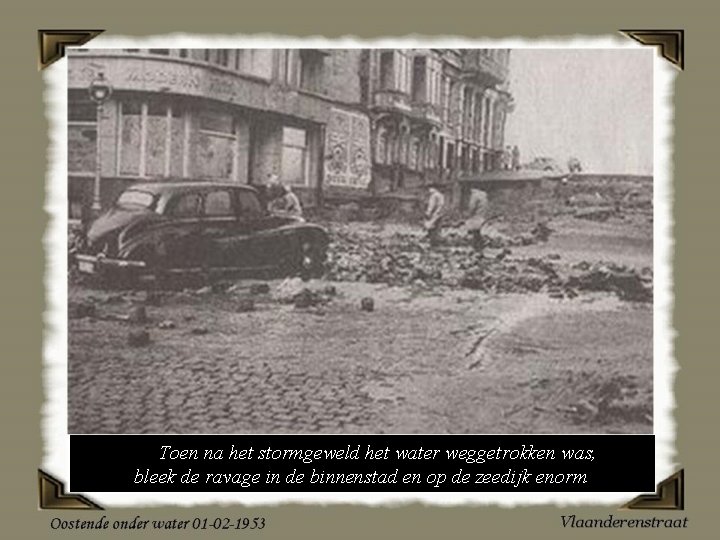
(421, 362)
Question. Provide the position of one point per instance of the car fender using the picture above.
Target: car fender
(148, 238)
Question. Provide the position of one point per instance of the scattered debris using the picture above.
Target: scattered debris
(330, 290)
(152, 298)
(259, 288)
(139, 338)
(367, 304)
(138, 315)
(199, 331)
(80, 310)
(166, 325)
(608, 400)
(627, 283)
(245, 305)
(307, 298)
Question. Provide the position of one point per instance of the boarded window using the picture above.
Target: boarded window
(216, 143)
(82, 133)
(131, 125)
(294, 156)
(156, 139)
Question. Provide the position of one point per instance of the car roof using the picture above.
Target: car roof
(172, 187)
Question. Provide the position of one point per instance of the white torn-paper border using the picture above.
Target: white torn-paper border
(56, 458)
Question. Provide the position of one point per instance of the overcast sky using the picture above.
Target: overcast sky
(596, 105)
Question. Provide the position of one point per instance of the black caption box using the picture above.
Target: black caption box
(400, 463)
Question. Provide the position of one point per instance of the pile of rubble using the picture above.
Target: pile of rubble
(628, 283)
(404, 259)
(397, 260)
(616, 398)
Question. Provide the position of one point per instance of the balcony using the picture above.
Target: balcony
(427, 112)
(392, 100)
(482, 68)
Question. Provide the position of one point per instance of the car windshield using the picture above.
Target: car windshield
(135, 199)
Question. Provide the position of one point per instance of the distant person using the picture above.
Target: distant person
(434, 214)
(287, 203)
(476, 214)
(507, 158)
(515, 158)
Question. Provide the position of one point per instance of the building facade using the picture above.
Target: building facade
(437, 114)
(336, 123)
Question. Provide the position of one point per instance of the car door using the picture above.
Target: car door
(243, 246)
(220, 225)
(270, 243)
(182, 243)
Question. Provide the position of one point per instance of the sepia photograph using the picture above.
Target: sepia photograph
(360, 241)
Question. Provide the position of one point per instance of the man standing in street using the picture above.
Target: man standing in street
(434, 214)
(477, 207)
(515, 158)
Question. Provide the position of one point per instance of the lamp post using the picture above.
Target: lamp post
(99, 91)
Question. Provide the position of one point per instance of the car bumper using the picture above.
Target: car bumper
(91, 264)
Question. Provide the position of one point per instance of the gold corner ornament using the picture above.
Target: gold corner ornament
(52, 43)
(670, 495)
(53, 496)
(671, 43)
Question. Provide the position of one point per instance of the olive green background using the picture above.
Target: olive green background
(23, 221)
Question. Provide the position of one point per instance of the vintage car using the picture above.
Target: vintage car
(155, 230)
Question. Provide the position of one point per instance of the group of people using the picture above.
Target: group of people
(436, 210)
(511, 158)
(282, 200)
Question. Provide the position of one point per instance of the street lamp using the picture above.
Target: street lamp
(99, 91)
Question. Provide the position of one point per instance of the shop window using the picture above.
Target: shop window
(151, 139)
(183, 53)
(294, 156)
(218, 203)
(130, 138)
(419, 79)
(82, 135)
(177, 142)
(311, 70)
(387, 70)
(215, 145)
(164, 52)
(156, 139)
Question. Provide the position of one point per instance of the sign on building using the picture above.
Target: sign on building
(347, 144)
